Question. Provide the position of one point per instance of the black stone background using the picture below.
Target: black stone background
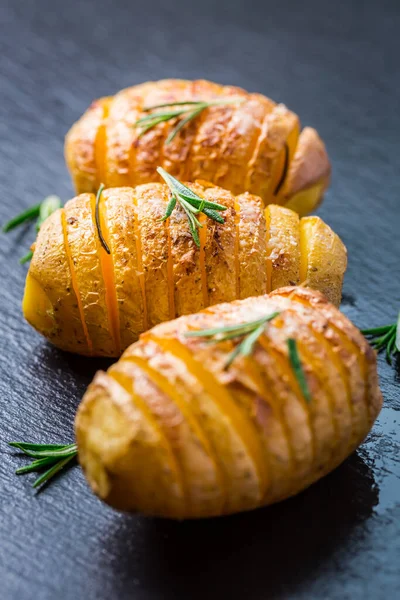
(337, 65)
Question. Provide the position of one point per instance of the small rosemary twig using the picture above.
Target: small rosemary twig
(191, 203)
(191, 109)
(52, 457)
(40, 212)
(385, 338)
(250, 331)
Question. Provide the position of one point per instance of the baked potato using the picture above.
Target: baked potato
(87, 301)
(170, 431)
(254, 145)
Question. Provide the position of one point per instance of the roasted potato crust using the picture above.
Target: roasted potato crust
(98, 304)
(254, 146)
(228, 440)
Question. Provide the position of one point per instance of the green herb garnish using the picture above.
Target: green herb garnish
(251, 331)
(385, 338)
(191, 203)
(191, 109)
(25, 216)
(97, 217)
(297, 367)
(40, 212)
(52, 457)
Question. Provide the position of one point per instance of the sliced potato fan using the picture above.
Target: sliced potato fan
(88, 301)
(239, 141)
(171, 430)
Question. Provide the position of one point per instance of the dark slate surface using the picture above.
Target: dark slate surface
(336, 65)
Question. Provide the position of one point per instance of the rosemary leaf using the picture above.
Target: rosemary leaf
(53, 471)
(26, 215)
(28, 446)
(170, 207)
(190, 108)
(54, 457)
(97, 219)
(250, 330)
(184, 102)
(297, 367)
(246, 347)
(247, 326)
(191, 203)
(385, 338)
(194, 200)
(183, 122)
(212, 214)
(47, 452)
(26, 258)
(284, 172)
(36, 465)
(376, 330)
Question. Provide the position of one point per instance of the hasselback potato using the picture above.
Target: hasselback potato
(254, 145)
(87, 301)
(170, 431)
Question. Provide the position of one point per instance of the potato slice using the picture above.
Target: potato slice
(124, 453)
(84, 249)
(120, 134)
(231, 436)
(221, 250)
(119, 209)
(51, 300)
(252, 250)
(187, 266)
(148, 148)
(80, 151)
(283, 248)
(346, 346)
(171, 407)
(277, 140)
(151, 203)
(240, 140)
(323, 258)
(309, 174)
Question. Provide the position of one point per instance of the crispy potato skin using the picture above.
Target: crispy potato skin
(169, 431)
(241, 147)
(91, 303)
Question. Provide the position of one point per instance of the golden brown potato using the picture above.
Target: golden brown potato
(170, 431)
(87, 301)
(254, 145)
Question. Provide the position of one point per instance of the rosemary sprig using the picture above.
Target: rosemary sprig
(40, 212)
(191, 203)
(297, 367)
(250, 331)
(52, 457)
(26, 215)
(191, 109)
(385, 338)
(97, 217)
